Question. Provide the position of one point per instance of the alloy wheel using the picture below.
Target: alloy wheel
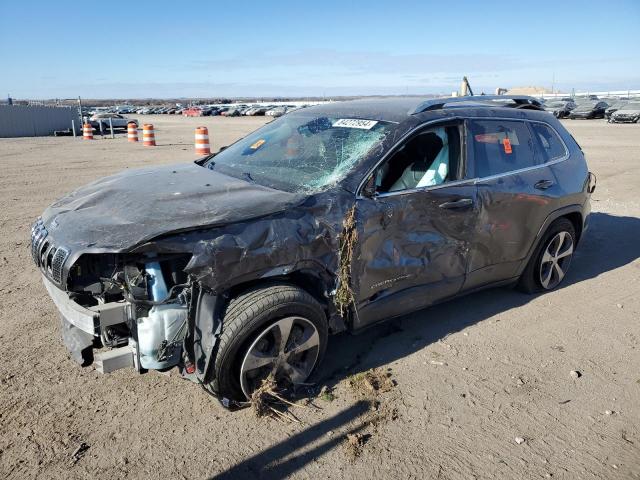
(556, 260)
(287, 349)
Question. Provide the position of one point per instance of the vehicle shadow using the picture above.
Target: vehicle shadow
(284, 458)
(611, 242)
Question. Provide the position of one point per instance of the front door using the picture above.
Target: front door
(414, 232)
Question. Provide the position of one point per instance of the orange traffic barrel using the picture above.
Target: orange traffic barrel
(148, 136)
(202, 141)
(132, 132)
(87, 131)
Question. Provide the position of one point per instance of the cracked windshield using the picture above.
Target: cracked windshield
(301, 152)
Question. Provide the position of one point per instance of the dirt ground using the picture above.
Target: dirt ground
(479, 388)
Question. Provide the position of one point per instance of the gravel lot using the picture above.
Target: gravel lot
(470, 376)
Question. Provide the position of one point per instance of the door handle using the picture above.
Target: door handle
(462, 203)
(543, 184)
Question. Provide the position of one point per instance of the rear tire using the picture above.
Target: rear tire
(551, 259)
(253, 317)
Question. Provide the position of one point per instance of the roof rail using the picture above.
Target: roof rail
(519, 101)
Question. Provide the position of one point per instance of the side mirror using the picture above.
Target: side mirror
(369, 188)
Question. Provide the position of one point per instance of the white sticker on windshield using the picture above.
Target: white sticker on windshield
(354, 123)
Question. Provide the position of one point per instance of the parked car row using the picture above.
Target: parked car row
(614, 110)
(238, 110)
(233, 110)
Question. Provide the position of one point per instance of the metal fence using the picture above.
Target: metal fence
(35, 121)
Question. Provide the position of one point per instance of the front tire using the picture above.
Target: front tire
(277, 329)
(550, 261)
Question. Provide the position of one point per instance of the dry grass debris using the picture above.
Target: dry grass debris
(372, 382)
(353, 445)
(268, 401)
(348, 238)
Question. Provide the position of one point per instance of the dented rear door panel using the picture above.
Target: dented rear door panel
(512, 211)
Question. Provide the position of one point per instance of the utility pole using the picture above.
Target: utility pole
(80, 110)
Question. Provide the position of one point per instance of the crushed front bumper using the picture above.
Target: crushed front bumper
(87, 321)
(82, 326)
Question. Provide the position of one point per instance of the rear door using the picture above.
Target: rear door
(516, 192)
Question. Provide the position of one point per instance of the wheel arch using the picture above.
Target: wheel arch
(315, 281)
(575, 217)
(574, 213)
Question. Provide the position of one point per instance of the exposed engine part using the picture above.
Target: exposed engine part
(143, 301)
(115, 335)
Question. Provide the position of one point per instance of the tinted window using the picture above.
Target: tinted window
(549, 144)
(500, 147)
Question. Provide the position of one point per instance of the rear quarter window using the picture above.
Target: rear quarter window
(500, 147)
(548, 142)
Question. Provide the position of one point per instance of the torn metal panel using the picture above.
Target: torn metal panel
(207, 326)
(305, 236)
(304, 239)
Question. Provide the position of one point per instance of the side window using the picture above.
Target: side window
(549, 144)
(432, 157)
(500, 147)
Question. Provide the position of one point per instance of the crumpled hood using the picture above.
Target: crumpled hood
(121, 211)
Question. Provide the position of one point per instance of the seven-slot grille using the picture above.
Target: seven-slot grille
(45, 255)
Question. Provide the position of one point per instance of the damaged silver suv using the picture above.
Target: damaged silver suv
(327, 219)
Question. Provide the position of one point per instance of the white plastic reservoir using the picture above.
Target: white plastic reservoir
(162, 323)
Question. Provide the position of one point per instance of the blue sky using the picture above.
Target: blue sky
(327, 48)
